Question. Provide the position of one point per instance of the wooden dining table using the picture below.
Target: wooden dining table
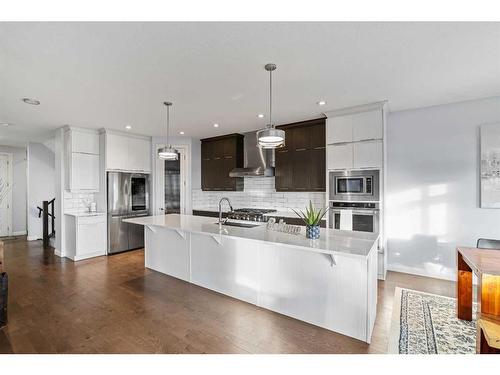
(485, 263)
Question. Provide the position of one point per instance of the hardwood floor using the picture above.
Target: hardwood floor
(115, 305)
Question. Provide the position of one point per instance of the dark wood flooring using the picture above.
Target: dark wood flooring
(115, 305)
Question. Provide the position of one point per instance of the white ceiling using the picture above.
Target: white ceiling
(113, 74)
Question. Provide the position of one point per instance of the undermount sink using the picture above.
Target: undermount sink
(242, 225)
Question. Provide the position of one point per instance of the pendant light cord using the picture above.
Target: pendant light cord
(168, 124)
(270, 99)
(167, 104)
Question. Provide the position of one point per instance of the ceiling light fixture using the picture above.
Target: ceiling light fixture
(260, 115)
(270, 137)
(181, 133)
(6, 124)
(321, 102)
(167, 152)
(128, 127)
(31, 101)
(216, 125)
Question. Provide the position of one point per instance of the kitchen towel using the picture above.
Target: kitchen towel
(345, 220)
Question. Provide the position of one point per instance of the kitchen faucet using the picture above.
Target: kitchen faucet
(220, 210)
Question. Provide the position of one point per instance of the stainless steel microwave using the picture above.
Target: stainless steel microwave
(361, 185)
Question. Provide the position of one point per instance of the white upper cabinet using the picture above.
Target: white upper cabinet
(116, 151)
(355, 127)
(128, 153)
(355, 137)
(339, 129)
(84, 142)
(367, 154)
(82, 160)
(340, 156)
(84, 172)
(367, 125)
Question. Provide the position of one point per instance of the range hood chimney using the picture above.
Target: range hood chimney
(258, 162)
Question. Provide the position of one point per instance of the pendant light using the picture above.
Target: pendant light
(270, 137)
(167, 152)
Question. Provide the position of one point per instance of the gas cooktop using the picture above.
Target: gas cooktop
(254, 210)
(251, 214)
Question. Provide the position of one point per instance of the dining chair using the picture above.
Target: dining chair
(485, 243)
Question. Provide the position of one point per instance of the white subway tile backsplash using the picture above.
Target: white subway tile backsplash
(77, 202)
(260, 192)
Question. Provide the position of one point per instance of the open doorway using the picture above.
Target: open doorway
(171, 183)
(5, 194)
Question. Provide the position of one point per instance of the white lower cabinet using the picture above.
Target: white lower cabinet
(86, 236)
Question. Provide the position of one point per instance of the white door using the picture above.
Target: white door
(159, 194)
(5, 195)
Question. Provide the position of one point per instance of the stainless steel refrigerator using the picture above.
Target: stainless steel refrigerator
(128, 196)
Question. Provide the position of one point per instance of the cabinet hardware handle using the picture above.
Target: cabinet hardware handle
(283, 151)
(216, 158)
(228, 157)
(300, 149)
(320, 148)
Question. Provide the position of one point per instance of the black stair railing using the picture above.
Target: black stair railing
(47, 210)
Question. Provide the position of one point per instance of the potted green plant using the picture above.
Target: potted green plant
(312, 218)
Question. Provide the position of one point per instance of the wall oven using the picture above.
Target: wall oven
(365, 216)
(361, 185)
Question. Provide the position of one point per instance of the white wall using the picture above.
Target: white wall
(433, 186)
(41, 183)
(18, 188)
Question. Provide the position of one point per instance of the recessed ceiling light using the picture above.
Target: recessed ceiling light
(216, 125)
(6, 124)
(128, 127)
(31, 101)
(321, 102)
(181, 133)
(260, 115)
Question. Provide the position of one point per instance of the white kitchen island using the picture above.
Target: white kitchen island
(330, 282)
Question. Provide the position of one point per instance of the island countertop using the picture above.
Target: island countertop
(332, 241)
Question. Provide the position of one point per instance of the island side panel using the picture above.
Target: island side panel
(304, 285)
(226, 265)
(167, 251)
(372, 280)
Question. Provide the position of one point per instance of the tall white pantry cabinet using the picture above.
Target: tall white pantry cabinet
(355, 140)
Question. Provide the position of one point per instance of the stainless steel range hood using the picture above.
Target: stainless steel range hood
(258, 162)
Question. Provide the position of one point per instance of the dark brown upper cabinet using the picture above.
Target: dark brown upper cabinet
(301, 164)
(219, 155)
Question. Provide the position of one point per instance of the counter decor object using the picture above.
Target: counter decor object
(281, 226)
(312, 218)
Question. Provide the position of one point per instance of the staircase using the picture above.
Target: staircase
(47, 210)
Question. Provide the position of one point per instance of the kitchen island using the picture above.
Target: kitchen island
(330, 282)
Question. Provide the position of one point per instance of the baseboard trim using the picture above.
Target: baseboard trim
(19, 233)
(76, 258)
(32, 238)
(420, 272)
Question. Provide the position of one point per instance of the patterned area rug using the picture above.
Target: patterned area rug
(424, 323)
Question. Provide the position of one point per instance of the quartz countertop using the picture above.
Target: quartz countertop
(332, 241)
(290, 214)
(85, 214)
